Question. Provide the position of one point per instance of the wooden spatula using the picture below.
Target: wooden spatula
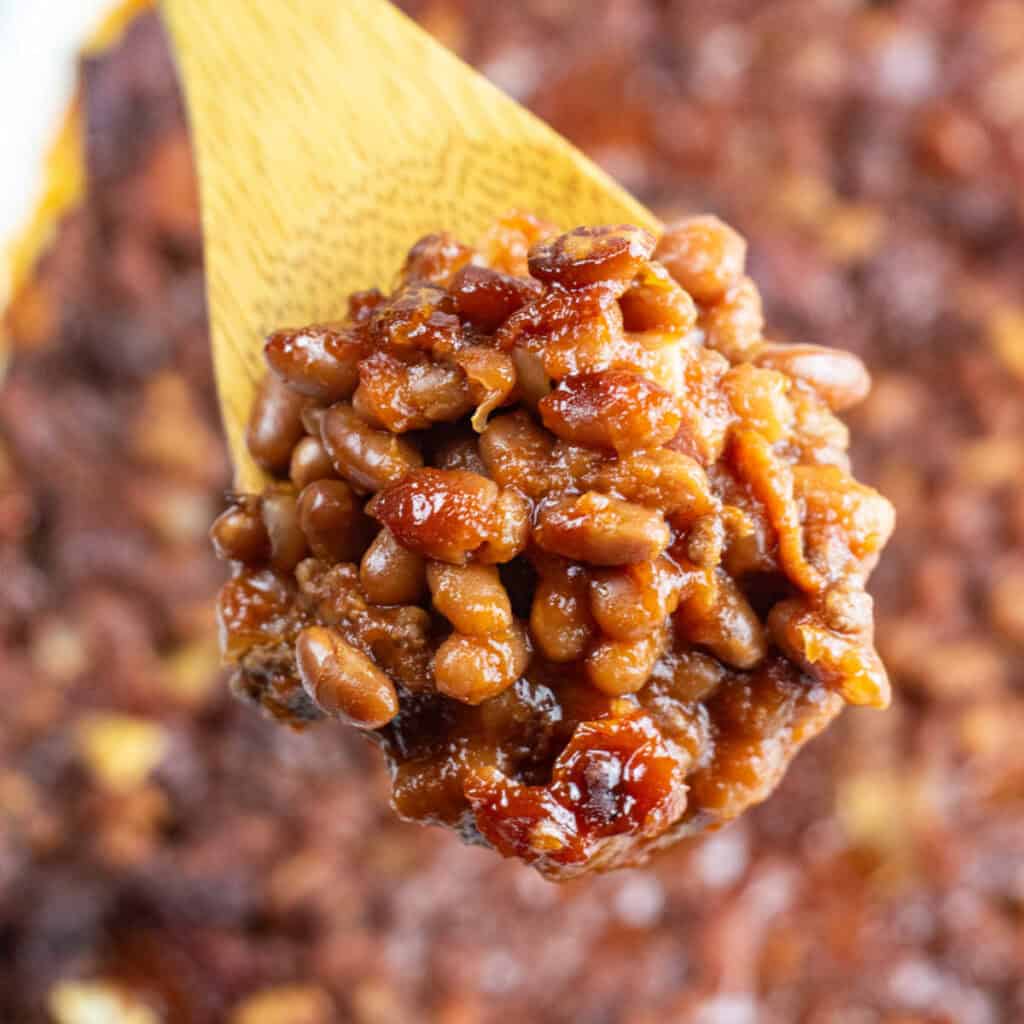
(330, 135)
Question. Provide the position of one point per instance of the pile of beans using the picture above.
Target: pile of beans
(560, 528)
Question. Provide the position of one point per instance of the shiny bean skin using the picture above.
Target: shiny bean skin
(320, 361)
(734, 324)
(391, 574)
(280, 514)
(343, 681)
(656, 302)
(310, 462)
(444, 514)
(839, 378)
(332, 520)
(723, 621)
(368, 459)
(473, 669)
(471, 597)
(618, 667)
(601, 529)
(589, 254)
(275, 424)
(632, 602)
(238, 534)
(561, 623)
(615, 409)
(510, 529)
(704, 255)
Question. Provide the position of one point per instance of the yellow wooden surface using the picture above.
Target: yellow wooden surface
(330, 135)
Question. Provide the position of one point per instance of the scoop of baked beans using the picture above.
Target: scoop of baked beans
(562, 529)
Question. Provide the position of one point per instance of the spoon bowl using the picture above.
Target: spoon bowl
(329, 136)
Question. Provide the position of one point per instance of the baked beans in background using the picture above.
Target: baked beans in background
(168, 853)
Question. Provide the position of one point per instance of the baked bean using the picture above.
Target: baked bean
(508, 241)
(531, 377)
(368, 459)
(618, 667)
(761, 399)
(320, 361)
(659, 478)
(332, 519)
(704, 255)
(280, 514)
(839, 378)
(444, 514)
(418, 316)
(614, 409)
(843, 661)
(275, 423)
(632, 602)
(510, 528)
(589, 254)
(310, 462)
(487, 298)
(471, 597)
(391, 574)
(312, 417)
(343, 681)
(720, 618)
(238, 533)
(705, 541)
(734, 324)
(687, 676)
(655, 301)
(561, 623)
(410, 392)
(600, 529)
(472, 669)
(491, 378)
(517, 453)
(436, 259)
(459, 452)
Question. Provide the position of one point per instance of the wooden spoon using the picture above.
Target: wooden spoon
(329, 136)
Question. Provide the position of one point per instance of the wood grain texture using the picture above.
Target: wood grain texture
(330, 135)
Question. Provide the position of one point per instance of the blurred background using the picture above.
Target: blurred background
(166, 855)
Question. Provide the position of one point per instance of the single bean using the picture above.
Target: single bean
(238, 534)
(617, 667)
(704, 255)
(471, 597)
(320, 361)
(281, 519)
(486, 298)
(310, 462)
(561, 623)
(839, 378)
(275, 423)
(343, 681)
(601, 529)
(331, 518)
(721, 619)
(473, 669)
(444, 514)
(391, 574)
(657, 302)
(590, 254)
(615, 409)
(631, 602)
(734, 324)
(510, 528)
(368, 459)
